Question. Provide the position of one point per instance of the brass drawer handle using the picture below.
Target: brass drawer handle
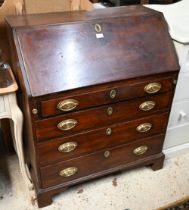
(152, 88)
(113, 94)
(67, 172)
(145, 127)
(108, 131)
(109, 110)
(107, 154)
(67, 147)
(140, 150)
(67, 124)
(147, 105)
(67, 105)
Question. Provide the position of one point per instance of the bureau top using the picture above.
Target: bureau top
(65, 51)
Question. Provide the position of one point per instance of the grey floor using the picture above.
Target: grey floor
(139, 189)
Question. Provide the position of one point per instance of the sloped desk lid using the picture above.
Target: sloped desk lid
(63, 51)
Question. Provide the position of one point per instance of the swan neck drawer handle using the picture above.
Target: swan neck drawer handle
(145, 127)
(67, 124)
(140, 150)
(67, 172)
(152, 88)
(67, 147)
(67, 105)
(147, 106)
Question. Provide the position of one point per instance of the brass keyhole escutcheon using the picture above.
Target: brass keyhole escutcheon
(106, 154)
(113, 94)
(98, 28)
(108, 131)
(109, 110)
(34, 111)
(174, 81)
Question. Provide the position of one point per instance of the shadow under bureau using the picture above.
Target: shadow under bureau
(96, 90)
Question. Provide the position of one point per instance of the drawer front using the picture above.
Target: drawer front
(92, 141)
(179, 114)
(63, 104)
(65, 172)
(101, 116)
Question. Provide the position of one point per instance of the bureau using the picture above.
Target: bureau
(96, 90)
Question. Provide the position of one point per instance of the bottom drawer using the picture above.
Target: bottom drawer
(66, 171)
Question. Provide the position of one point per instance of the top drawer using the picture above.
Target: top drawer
(100, 95)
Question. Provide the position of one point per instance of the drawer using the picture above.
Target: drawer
(182, 87)
(78, 168)
(179, 114)
(99, 96)
(114, 135)
(102, 116)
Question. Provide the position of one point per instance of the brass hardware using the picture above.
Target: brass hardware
(109, 110)
(67, 172)
(140, 150)
(67, 124)
(145, 127)
(175, 81)
(113, 94)
(106, 154)
(67, 105)
(108, 131)
(34, 111)
(67, 147)
(98, 28)
(152, 88)
(147, 105)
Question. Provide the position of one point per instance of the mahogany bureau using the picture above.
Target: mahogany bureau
(96, 91)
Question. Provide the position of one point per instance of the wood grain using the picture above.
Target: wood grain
(70, 55)
(60, 57)
(96, 162)
(97, 139)
(100, 95)
(97, 117)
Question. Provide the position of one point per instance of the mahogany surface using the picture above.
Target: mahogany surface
(99, 95)
(75, 48)
(97, 139)
(96, 162)
(57, 57)
(87, 119)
